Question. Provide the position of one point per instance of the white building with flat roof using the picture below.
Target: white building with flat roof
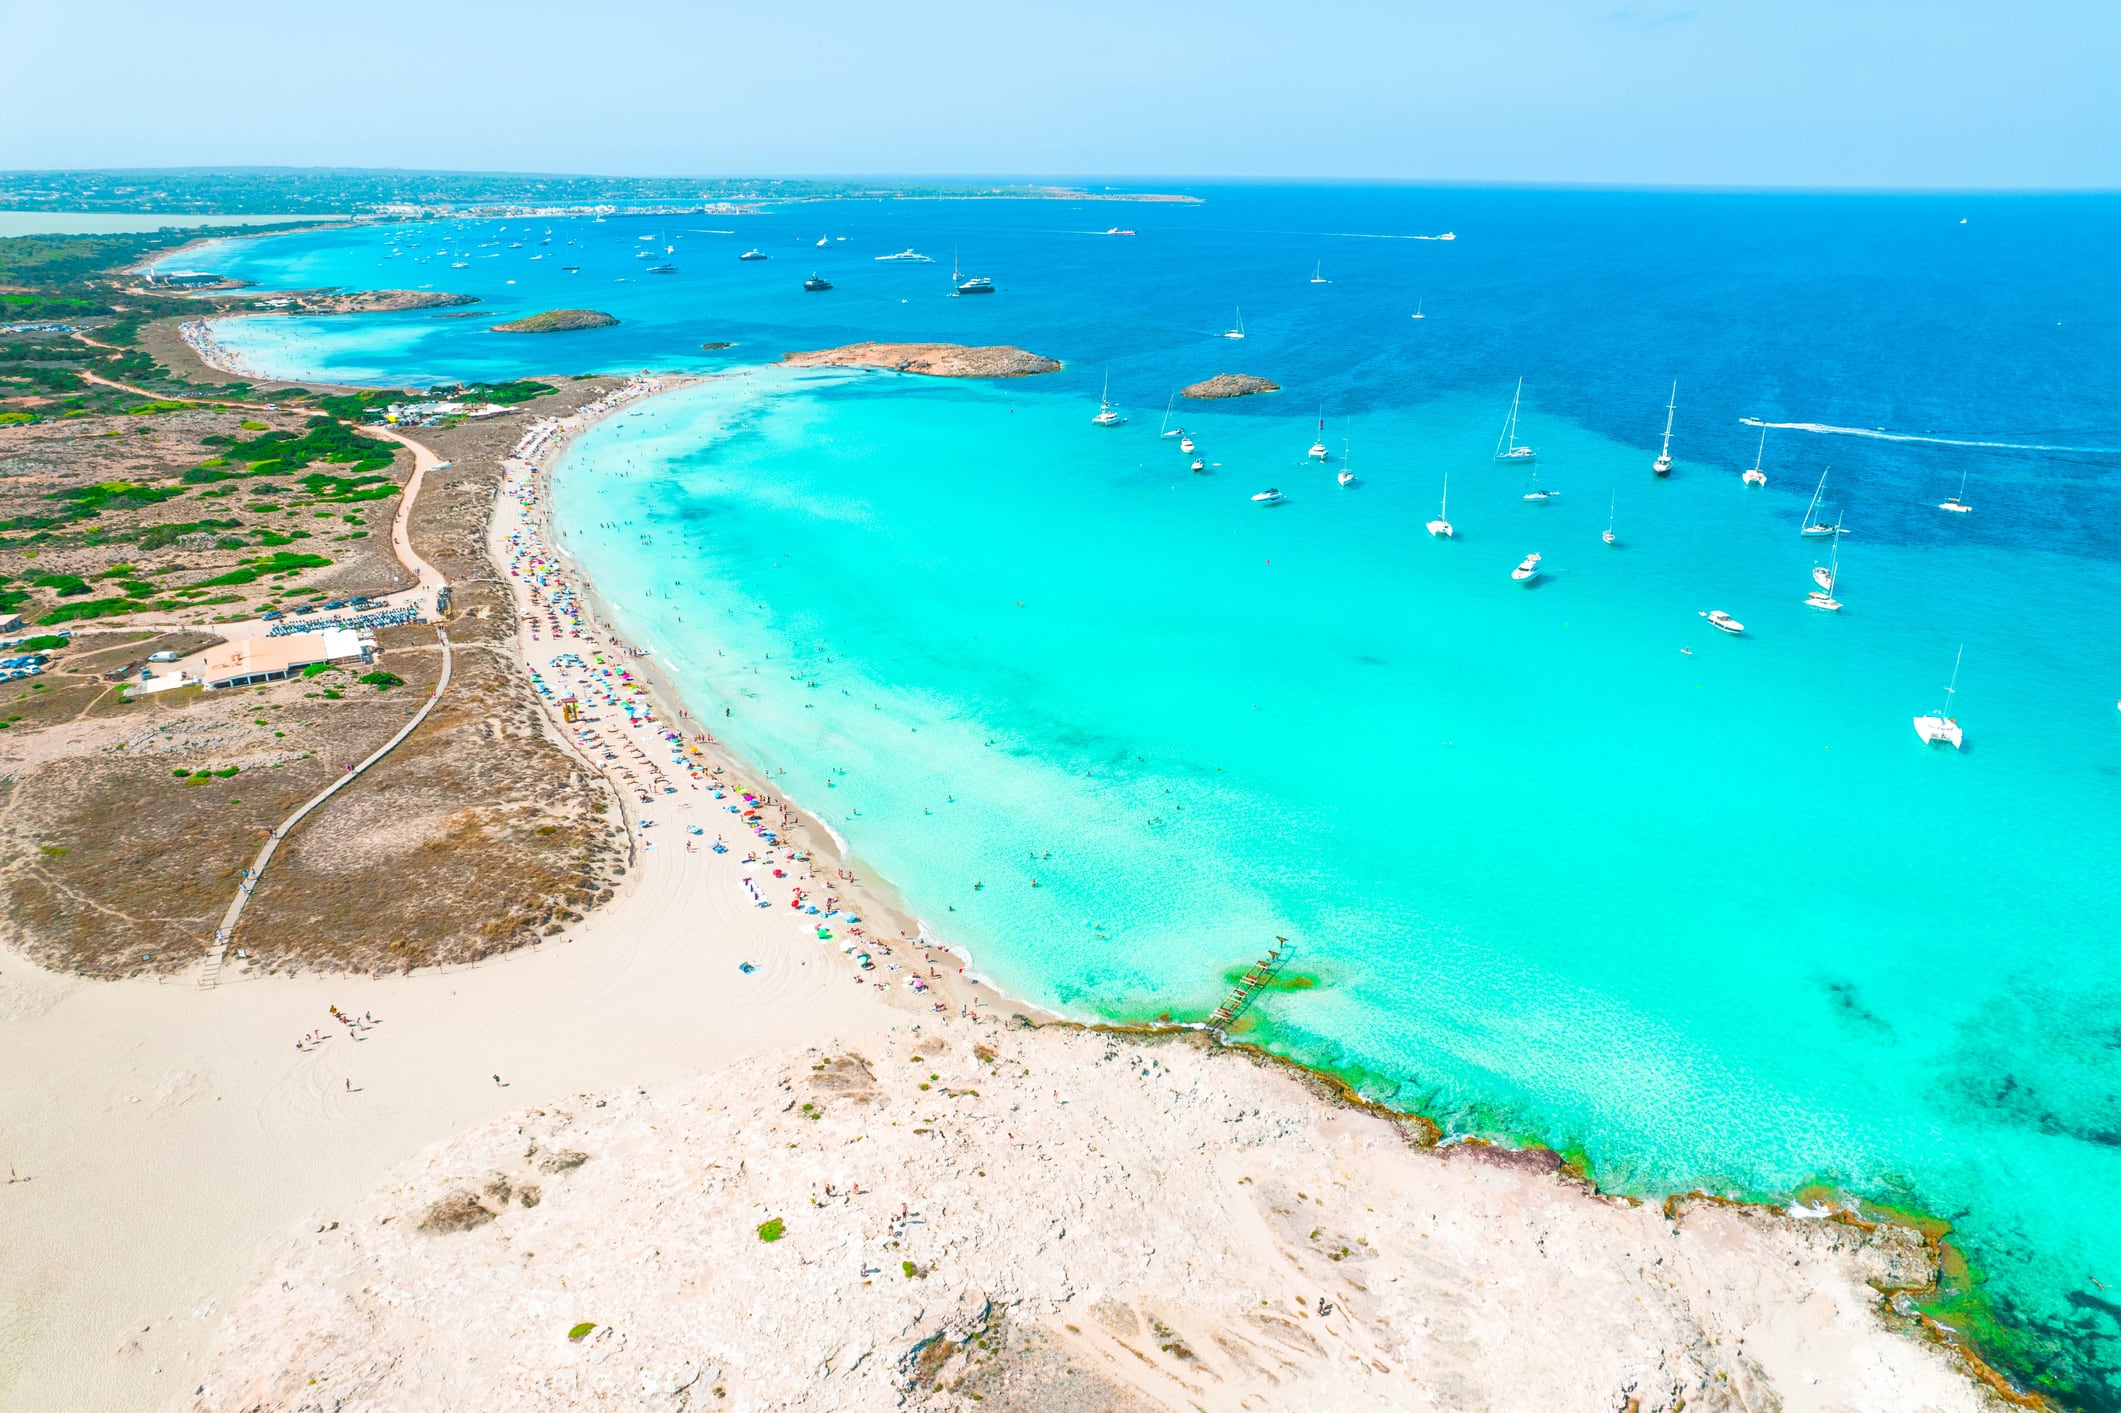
(245, 662)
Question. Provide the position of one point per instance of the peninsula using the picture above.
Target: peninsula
(1229, 385)
(936, 360)
(557, 321)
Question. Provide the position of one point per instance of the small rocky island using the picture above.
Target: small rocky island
(936, 360)
(1230, 385)
(557, 321)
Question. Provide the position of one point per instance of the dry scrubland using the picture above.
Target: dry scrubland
(126, 825)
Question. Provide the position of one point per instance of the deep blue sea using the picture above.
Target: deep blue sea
(1564, 863)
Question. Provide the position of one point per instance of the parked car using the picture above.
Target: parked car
(269, 615)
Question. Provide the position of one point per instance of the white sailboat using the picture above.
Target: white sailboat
(1318, 274)
(1238, 330)
(1662, 466)
(1417, 314)
(1167, 430)
(1826, 576)
(1318, 448)
(1814, 528)
(1754, 476)
(1346, 477)
(1942, 727)
(1506, 447)
(1107, 414)
(1956, 504)
(1440, 527)
(1609, 537)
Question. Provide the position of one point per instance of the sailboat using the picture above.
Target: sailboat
(1609, 537)
(1107, 414)
(1943, 726)
(1318, 448)
(1238, 331)
(1167, 430)
(1346, 477)
(1506, 447)
(1815, 528)
(1318, 274)
(1822, 598)
(1956, 504)
(1754, 476)
(1417, 314)
(1662, 466)
(1440, 527)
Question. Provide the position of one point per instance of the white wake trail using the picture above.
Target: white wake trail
(1823, 429)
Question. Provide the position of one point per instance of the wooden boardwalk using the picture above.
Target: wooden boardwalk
(1250, 984)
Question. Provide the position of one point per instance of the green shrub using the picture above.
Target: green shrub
(772, 1229)
(581, 1331)
(382, 681)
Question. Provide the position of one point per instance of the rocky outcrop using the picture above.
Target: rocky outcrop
(557, 321)
(1230, 385)
(936, 360)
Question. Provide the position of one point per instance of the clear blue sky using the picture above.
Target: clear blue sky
(1957, 93)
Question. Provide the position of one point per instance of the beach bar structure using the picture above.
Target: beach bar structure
(244, 662)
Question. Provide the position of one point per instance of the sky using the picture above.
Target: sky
(1807, 93)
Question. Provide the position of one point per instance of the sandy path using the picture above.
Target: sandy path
(167, 1137)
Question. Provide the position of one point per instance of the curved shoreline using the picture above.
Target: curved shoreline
(1335, 1087)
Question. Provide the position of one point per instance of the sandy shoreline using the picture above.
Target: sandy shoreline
(252, 1146)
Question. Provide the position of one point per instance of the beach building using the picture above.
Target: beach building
(246, 661)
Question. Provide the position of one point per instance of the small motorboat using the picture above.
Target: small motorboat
(1823, 577)
(1185, 443)
(1269, 496)
(817, 282)
(1527, 570)
(1199, 465)
(1724, 623)
(753, 254)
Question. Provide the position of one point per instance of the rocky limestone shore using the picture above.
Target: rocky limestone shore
(992, 1216)
(557, 321)
(937, 360)
(377, 301)
(1229, 385)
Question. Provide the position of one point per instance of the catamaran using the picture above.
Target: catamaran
(1107, 414)
(1943, 726)
(1506, 447)
(1662, 466)
(1609, 537)
(1318, 448)
(1238, 331)
(1814, 528)
(1440, 527)
(1167, 430)
(1956, 504)
(1754, 476)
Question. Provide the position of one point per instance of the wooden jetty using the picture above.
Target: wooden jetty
(1250, 984)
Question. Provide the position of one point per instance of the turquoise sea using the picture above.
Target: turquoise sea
(1710, 918)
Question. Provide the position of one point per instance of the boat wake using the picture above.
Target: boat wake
(1378, 235)
(1823, 429)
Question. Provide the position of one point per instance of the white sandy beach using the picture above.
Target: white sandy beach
(1104, 1198)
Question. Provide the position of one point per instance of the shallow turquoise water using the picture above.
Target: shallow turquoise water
(1715, 918)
